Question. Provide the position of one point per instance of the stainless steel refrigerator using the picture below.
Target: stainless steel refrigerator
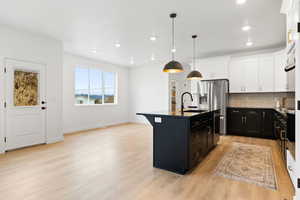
(214, 95)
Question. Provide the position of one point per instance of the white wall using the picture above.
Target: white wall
(26, 46)
(182, 85)
(148, 90)
(76, 118)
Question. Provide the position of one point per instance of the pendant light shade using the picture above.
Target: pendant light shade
(194, 74)
(173, 66)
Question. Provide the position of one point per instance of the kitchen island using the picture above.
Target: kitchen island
(182, 139)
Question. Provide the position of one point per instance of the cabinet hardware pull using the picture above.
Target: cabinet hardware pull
(244, 120)
(281, 135)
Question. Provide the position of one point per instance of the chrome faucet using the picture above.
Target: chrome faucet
(182, 105)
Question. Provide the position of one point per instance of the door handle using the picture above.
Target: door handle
(43, 102)
(43, 108)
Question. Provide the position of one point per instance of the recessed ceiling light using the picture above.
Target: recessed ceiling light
(246, 28)
(131, 61)
(249, 44)
(240, 2)
(153, 38)
(117, 45)
(94, 51)
(152, 57)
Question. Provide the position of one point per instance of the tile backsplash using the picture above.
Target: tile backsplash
(265, 100)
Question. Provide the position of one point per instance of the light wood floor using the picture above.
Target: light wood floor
(116, 164)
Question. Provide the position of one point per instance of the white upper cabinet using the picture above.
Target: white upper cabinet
(251, 74)
(243, 75)
(266, 73)
(236, 76)
(291, 81)
(260, 73)
(281, 84)
(214, 68)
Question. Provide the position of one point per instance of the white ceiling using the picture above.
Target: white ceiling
(85, 25)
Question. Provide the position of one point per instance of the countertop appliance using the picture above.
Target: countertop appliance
(214, 95)
(291, 148)
(284, 125)
(280, 128)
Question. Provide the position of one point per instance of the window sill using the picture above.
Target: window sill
(93, 105)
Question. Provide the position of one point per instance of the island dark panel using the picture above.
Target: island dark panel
(180, 142)
(170, 144)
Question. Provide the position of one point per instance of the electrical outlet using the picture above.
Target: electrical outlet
(158, 120)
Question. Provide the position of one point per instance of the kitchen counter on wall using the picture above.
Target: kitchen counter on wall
(281, 111)
(182, 140)
(255, 121)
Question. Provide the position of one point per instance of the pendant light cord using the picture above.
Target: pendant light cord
(194, 54)
(173, 38)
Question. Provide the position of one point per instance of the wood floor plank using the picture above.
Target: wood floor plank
(115, 163)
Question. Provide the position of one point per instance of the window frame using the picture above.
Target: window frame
(102, 89)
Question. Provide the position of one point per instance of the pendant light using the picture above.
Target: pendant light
(194, 74)
(173, 66)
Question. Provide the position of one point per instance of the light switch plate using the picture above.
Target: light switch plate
(157, 120)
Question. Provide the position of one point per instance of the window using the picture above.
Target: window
(93, 86)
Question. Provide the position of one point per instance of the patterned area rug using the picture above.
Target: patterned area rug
(249, 163)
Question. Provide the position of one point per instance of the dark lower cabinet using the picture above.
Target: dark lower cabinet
(235, 123)
(198, 143)
(202, 138)
(250, 122)
(216, 127)
(267, 127)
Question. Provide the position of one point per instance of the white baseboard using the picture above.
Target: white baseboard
(94, 126)
(2, 149)
(54, 140)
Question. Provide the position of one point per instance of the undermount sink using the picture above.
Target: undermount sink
(195, 111)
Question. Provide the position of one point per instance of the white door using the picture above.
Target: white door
(25, 104)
